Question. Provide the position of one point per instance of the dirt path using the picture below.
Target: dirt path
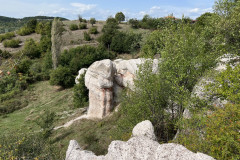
(69, 123)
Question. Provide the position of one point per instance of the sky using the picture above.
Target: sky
(102, 9)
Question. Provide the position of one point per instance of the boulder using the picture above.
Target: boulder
(142, 146)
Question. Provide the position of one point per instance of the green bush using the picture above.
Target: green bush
(82, 26)
(62, 76)
(14, 43)
(31, 49)
(45, 44)
(4, 54)
(216, 134)
(125, 42)
(23, 66)
(73, 27)
(46, 123)
(5, 36)
(92, 21)
(80, 97)
(25, 31)
(86, 36)
(29, 146)
(93, 30)
(83, 57)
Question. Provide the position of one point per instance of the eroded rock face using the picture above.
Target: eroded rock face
(199, 89)
(106, 80)
(99, 81)
(142, 146)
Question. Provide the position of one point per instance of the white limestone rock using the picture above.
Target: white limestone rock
(144, 129)
(99, 81)
(141, 146)
(80, 72)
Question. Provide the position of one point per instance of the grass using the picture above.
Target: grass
(41, 96)
(94, 135)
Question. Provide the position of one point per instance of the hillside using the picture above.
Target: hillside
(180, 75)
(8, 24)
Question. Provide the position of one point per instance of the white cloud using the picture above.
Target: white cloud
(195, 10)
(83, 7)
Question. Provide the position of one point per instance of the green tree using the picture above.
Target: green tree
(31, 49)
(80, 97)
(92, 21)
(120, 17)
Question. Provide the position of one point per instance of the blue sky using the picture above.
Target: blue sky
(102, 9)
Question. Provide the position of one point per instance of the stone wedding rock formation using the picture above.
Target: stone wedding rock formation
(142, 146)
(105, 80)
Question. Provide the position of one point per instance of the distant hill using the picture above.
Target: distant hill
(8, 24)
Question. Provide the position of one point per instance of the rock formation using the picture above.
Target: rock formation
(142, 146)
(199, 89)
(106, 79)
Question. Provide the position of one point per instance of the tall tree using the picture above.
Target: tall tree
(56, 32)
(120, 17)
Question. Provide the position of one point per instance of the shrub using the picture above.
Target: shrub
(4, 54)
(31, 49)
(73, 27)
(80, 97)
(82, 26)
(83, 57)
(45, 122)
(120, 17)
(5, 36)
(23, 66)
(62, 76)
(45, 43)
(14, 43)
(25, 31)
(93, 30)
(92, 21)
(86, 36)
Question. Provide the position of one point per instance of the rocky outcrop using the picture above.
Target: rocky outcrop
(199, 89)
(142, 146)
(99, 81)
(106, 79)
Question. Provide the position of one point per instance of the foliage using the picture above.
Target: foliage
(92, 21)
(109, 30)
(62, 76)
(222, 132)
(86, 36)
(120, 17)
(31, 49)
(73, 27)
(23, 66)
(215, 134)
(43, 28)
(82, 57)
(148, 101)
(14, 43)
(93, 30)
(27, 146)
(45, 122)
(125, 42)
(80, 97)
(25, 31)
(82, 26)
(5, 36)
(226, 85)
(45, 44)
(134, 23)
(4, 54)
